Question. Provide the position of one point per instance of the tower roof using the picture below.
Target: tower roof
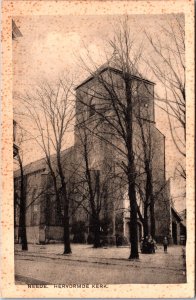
(112, 65)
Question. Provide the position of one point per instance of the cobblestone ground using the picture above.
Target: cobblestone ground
(46, 263)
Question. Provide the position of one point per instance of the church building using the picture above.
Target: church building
(106, 158)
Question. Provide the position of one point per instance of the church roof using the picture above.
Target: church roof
(40, 164)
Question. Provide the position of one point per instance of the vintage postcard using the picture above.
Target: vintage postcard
(97, 114)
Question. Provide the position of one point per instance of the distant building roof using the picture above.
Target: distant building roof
(176, 214)
(183, 216)
(15, 31)
(112, 66)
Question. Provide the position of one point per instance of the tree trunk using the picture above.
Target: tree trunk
(23, 229)
(131, 171)
(145, 222)
(152, 218)
(133, 223)
(67, 246)
(150, 196)
(97, 243)
(22, 219)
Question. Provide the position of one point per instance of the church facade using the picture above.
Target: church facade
(106, 158)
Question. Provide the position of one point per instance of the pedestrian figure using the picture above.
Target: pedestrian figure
(165, 244)
(154, 245)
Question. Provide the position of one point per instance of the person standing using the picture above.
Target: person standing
(165, 243)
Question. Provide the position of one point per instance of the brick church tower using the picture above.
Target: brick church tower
(91, 105)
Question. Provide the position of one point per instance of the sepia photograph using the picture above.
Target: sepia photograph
(99, 150)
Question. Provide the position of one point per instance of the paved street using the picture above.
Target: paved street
(46, 264)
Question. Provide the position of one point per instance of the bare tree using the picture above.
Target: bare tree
(92, 179)
(95, 181)
(115, 112)
(50, 109)
(168, 65)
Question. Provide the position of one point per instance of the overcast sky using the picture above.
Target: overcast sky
(52, 45)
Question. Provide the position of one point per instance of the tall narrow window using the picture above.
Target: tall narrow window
(92, 107)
